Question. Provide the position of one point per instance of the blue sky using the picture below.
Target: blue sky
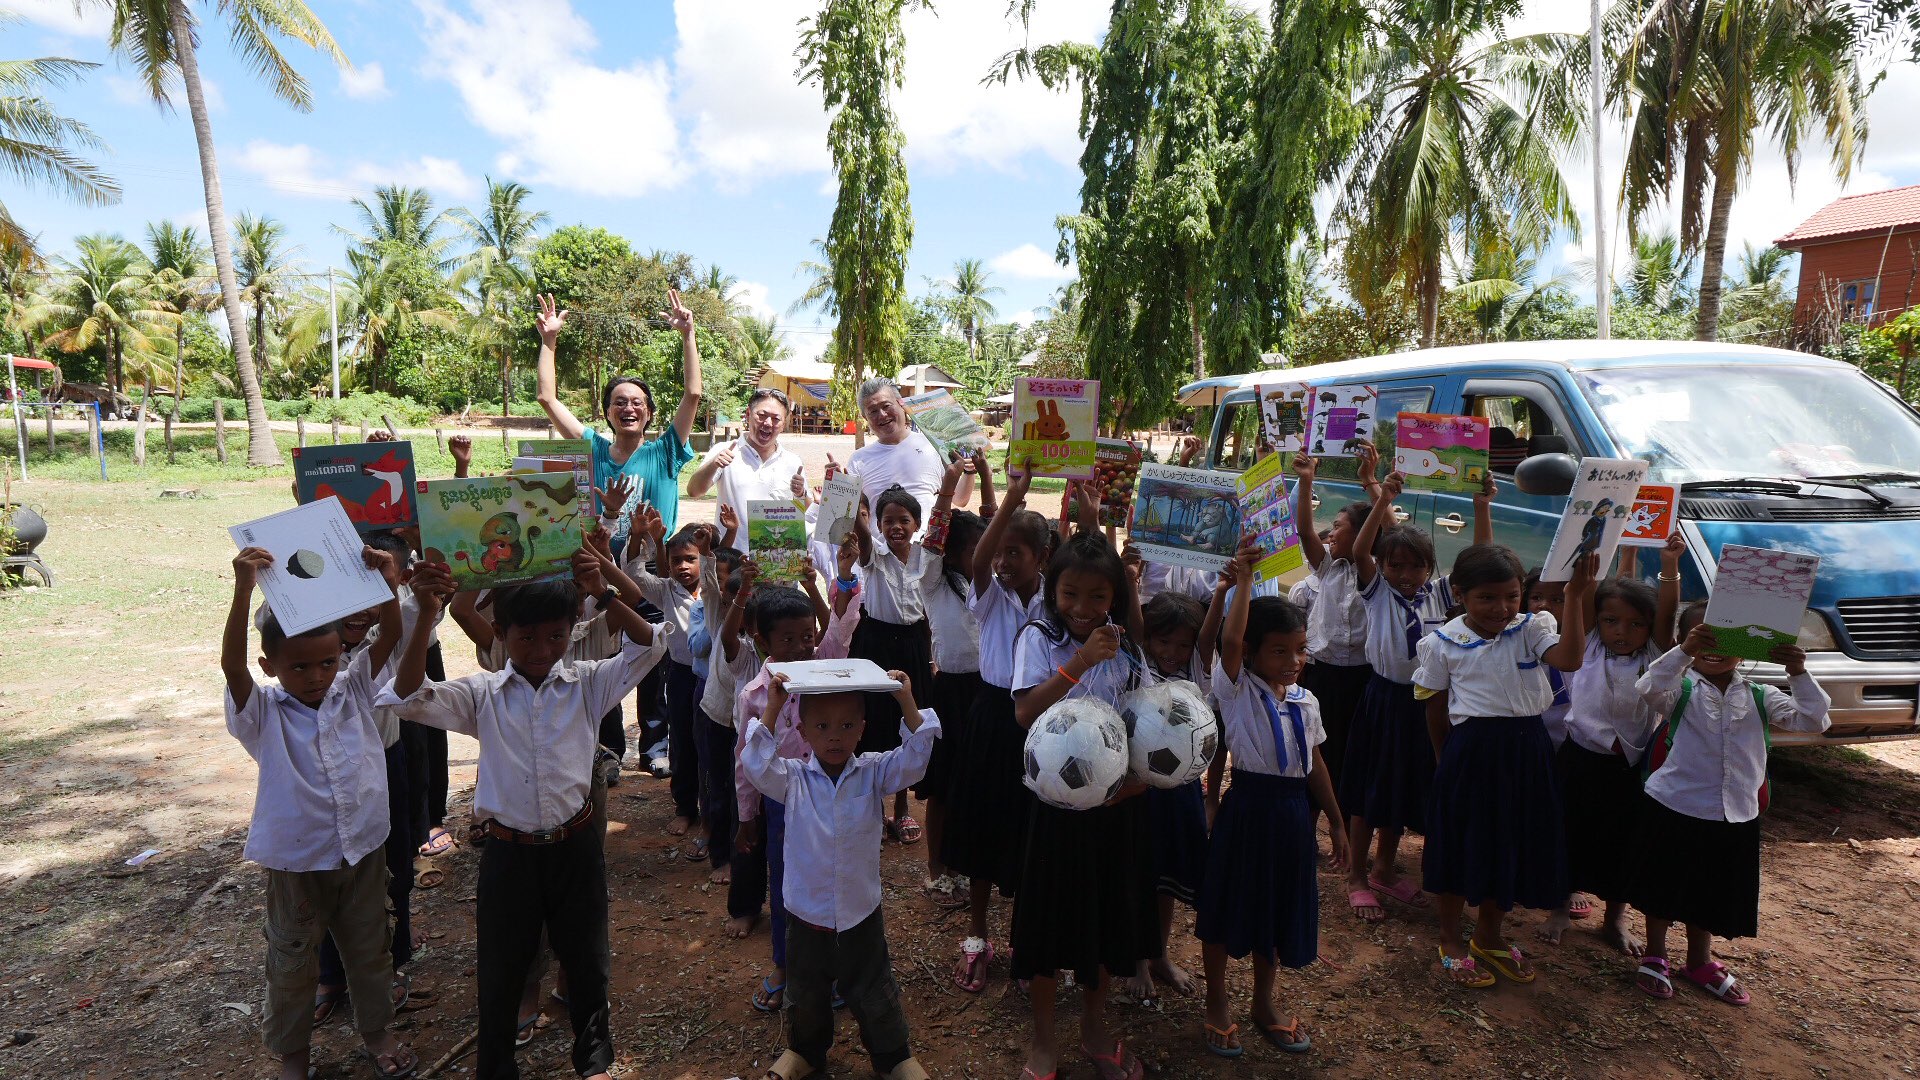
(680, 126)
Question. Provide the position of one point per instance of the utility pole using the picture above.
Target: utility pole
(1602, 281)
(333, 331)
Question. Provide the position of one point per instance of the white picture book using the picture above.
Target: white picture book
(833, 676)
(1598, 509)
(1759, 597)
(839, 509)
(318, 572)
(1284, 409)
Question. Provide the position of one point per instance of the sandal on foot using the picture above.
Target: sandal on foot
(1715, 979)
(1580, 907)
(404, 1063)
(1224, 1043)
(1291, 1037)
(326, 1004)
(789, 1066)
(400, 990)
(975, 955)
(1506, 963)
(439, 842)
(891, 828)
(1655, 968)
(1402, 890)
(1118, 1065)
(1027, 1073)
(429, 877)
(910, 830)
(838, 1002)
(1360, 900)
(763, 998)
(698, 852)
(530, 1028)
(1478, 980)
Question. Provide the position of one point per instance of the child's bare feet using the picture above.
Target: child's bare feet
(1617, 933)
(679, 826)
(741, 925)
(721, 875)
(1555, 927)
(1140, 987)
(1167, 973)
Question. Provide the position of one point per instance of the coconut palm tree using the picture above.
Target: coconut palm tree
(267, 273)
(1501, 293)
(1706, 81)
(179, 279)
(966, 300)
(36, 142)
(818, 295)
(104, 298)
(498, 267)
(403, 218)
(1659, 274)
(1465, 130)
(160, 38)
(761, 342)
(22, 273)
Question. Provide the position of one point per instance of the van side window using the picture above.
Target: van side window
(1520, 429)
(1239, 444)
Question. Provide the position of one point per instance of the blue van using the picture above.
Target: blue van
(1770, 448)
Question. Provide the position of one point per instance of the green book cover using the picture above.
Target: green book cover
(505, 530)
(777, 537)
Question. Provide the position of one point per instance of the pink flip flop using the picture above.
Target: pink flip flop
(1715, 979)
(1403, 890)
(1359, 899)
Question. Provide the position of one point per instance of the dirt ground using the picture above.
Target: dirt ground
(111, 743)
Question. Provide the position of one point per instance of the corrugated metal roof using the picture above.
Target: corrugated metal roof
(1875, 211)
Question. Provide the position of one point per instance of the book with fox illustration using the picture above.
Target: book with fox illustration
(1055, 422)
(373, 481)
(505, 530)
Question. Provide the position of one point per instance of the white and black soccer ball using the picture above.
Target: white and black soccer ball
(1171, 733)
(1076, 755)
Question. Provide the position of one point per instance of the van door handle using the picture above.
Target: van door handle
(1453, 523)
(1400, 516)
(1314, 502)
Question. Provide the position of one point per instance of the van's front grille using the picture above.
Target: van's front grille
(1883, 625)
(1820, 510)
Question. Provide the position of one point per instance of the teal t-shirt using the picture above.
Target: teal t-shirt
(656, 465)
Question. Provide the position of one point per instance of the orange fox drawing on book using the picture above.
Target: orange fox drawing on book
(1048, 426)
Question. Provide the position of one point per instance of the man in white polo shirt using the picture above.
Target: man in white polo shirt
(899, 454)
(753, 468)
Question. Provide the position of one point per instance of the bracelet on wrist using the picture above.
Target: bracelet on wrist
(1062, 669)
(1664, 576)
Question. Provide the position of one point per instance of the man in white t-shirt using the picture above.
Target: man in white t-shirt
(899, 454)
(753, 468)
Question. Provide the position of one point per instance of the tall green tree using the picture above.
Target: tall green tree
(160, 38)
(267, 274)
(402, 218)
(1706, 81)
(103, 300)
(180, 279)
(500, 269)
(967, 302)
(855, 52)
(1658, 275)
(40, 146)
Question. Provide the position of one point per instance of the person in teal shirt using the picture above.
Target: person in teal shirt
(627, 402)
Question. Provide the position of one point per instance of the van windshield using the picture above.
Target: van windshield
(1716, 422)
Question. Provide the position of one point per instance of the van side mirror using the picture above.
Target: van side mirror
(1546, 474)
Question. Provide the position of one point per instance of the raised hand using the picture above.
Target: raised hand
(705, 538)
(729, 518)
(615, 495)
(799, 484)
(1102, 645)
(432, 585)
(648, 521)
(550, 320)
(1392, 486)
(381, 562)
(1700, 641)
(678, 315)
(1189, 449)
(1486, 493)
(832, 467)
(461, 447)
(381, 435)
(1673, 552)
(601, 542)
(1019, 480)
(1369, 461)
(586, 573)
(749, 573)
(724, 456)
(904, 693)
(1791, 657)
(776, 699)
(1305, 467)
(1585, 570)
(247, 566)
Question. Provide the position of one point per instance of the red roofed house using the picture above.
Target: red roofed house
(1859, 258)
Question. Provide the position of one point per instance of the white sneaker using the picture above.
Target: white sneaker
(660, 767)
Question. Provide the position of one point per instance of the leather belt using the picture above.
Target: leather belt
(571, 827)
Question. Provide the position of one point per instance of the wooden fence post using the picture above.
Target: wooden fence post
(93, 432)
(441, 438)
(299, 431)
(336, 431)
(48, 413)
(363, 431)
(220, 430)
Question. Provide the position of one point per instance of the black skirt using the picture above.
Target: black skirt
(1601, 797)
(1704, 874)
(1261, 894)
(952, 701)
(987, 805)
(1494, 823)
(1086, 899)
(1387, 777)
(895, 647)
(1179, 817)
(1338, 688)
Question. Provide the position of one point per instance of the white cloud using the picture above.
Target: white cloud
(734, 87)
(524, 74)
(807, 342)
(62, 17)
(301, 170)
(1030, 263)
(367, 82)
(755, 297)
(1024, 318)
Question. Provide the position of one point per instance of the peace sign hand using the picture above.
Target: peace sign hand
(678, 315)
(550, 320)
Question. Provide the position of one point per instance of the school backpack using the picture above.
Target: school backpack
(1663, 745)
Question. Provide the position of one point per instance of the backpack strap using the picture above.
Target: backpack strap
(1658, 749)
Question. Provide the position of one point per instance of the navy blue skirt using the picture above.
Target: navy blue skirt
(1494, 829)
(895, 647)
(1085, 900)
(987, 805)
(1387, 778)
(951, 700)
(1179, 817)
(1704, 874)
(1602, 807)
(1338, 689)
(1261, 893)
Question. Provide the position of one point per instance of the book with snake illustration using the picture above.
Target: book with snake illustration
(505, 530)
(373, 481)
(1055, 422)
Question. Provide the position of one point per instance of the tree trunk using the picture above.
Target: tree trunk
(506, 371)
(261, 449)
(1199, 341)
(260, 334)
(859, 376)
(119, 371)
(1713, 256)
(1430, 302)
(140, 426)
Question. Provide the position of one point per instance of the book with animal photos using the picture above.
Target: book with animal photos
(777, 536)
(946, 423)
(1267, 516)
(1284, 412)
(839, 511)
(1185, 517)
(1650, 523)
(1596, 514)
(493, 531)
(373, 481)
(1759, 598)
(319, 573)
(834, 676)
(1442, 453)
(1054, 424)
(1342, 420)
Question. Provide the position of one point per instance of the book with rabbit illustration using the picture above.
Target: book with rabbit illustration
(1442, 453)
(505, 530)
(1054, 423)
(1284, 412)
(1759, 598)
(1650, 522)
(373, 481)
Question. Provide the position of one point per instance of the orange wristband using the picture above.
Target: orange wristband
(1063, 674)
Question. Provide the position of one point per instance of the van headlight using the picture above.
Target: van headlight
(1815, 634)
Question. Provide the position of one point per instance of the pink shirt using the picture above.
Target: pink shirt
(752, 701)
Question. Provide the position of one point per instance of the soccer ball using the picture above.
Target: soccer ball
(1171, 733)
(1076, 756)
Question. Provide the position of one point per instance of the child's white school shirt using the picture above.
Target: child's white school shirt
(1396, 624)
(1196, 672)
(1251, 711)
(1719, 755)
(1305, 593)
(1604, 701)
(1503, 675)
(956, 633)
(1159, 577)
(1001, 615)
(833, 826)
(321, 802)
(1337, 622)
(536, 743)
(1036, 656)
(674, 602)
(890, 592)
(724, 677)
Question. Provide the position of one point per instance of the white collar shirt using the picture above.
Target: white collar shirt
(1395, 624)
(752, 478)
(833, 825)
(1000, 615)
(536, 743)
(1605, 706)
(725, 677)
(956, 633)
(1503, 675)
(321, 802)
(1337, 621)
(890, 591)
(1250, 728)
(1718, 760)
